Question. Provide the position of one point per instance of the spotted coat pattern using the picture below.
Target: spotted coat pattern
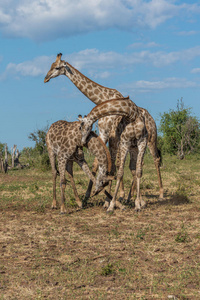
(133, 138)
(63, 141)
(108, 126)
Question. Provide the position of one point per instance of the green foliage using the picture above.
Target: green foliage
(39, 137)
(38, 156)
(2, 147)
(180, 131)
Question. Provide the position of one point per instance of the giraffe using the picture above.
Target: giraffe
(108, 126)
(133, 138)
(63, 141)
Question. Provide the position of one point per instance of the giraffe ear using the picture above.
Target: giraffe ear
(82, 123)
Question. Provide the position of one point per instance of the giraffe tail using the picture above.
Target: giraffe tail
(160, 157)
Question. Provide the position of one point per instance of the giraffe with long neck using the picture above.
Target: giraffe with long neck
(133, 137)
(63, 141)
(108, 126)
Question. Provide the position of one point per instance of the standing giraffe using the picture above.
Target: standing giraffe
(63, 141)
(108, 126)
(133, 136)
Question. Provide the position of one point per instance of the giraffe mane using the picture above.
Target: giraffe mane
(91, 79)
(108, 101)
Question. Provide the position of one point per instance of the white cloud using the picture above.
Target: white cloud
(188, 33)
(94, 61)
(93, 58)
(143, 45)
(195, 70)
(142, 86)
(49, 19)
(33, 68)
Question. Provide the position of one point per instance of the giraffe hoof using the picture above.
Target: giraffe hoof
(63, 213)
(53, 207)
(110, 211)
(137, 209)
(106, 205)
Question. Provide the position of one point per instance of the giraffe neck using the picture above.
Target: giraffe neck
(123, 107)
(97, 147)
(92, 90)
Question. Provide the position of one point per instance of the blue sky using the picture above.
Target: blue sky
(149, 50)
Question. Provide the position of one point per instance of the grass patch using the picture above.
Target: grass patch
(88, 254)
(107, 270)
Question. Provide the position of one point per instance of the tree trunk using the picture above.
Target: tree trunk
(4, 163)
(13, 155)
(16, 162)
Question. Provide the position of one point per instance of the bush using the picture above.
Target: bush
(180, 131)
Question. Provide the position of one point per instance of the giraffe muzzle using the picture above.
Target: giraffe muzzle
(96, 192)
(46, 80)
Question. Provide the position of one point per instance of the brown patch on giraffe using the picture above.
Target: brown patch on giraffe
(90, 94)
(96, 91)
(124, 104)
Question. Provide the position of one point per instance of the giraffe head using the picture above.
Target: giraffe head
(59, 67)
(102, 181)
(86, 127)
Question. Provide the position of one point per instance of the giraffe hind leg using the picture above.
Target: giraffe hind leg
(139, 202)
(62, 167)
(69, 169)
(157, 159)
(52, 158)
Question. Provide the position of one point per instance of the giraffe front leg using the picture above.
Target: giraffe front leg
(121, 186)
(120, 173)
(62, 167)
(62, 187)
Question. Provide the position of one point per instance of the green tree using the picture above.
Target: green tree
(2, 147)
(180, 131)
(38, 137)
(39, 152)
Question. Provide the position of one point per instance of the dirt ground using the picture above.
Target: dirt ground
(87, 254)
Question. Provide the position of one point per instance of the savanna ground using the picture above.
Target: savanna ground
(87, 254)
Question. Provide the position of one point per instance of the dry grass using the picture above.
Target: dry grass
(88, 254)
